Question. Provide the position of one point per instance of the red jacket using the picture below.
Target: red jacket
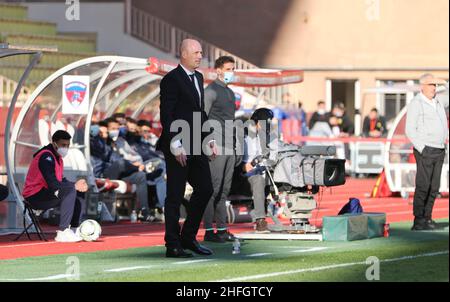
(35, 181)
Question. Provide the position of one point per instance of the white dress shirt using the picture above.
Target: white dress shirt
(189, 73)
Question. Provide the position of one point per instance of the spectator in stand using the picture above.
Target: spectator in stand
(158, 167)
(345, 125)
(145, 144)
(119, 143)
(300, 115)
(279, 115)
(132, 135)
(374, 125)
(121, 119)
(321, 115)
(148, 134)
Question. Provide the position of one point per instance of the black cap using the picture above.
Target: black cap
(262, 114)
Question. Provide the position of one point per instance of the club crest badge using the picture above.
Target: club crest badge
(75, 92)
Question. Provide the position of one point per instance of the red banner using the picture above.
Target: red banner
(246, 78)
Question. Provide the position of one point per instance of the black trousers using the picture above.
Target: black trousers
(69, 200)
(197, 173)
(428, 176)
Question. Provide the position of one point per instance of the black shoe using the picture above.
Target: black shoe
(177, 253)
(154, 175)
(197, 248)
(226, 236)
(143, 214)
(212, 237)
(419, 225)
(430, 224)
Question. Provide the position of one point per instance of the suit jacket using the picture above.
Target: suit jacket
(179, 100)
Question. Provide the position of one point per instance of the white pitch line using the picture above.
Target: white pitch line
(193, 261)
(307, 250)
(327, 267)
(132, 268)
(124, 269)
(258, 254)
(49, 278)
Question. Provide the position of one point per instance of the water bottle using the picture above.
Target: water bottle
(99, 210)
(386, 230)
(133, 217)
(236, 247)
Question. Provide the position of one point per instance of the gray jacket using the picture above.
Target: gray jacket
(426, 125)
(220, 107)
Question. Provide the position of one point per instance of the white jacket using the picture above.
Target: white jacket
(426, 125)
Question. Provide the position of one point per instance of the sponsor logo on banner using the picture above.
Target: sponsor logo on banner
(75, 95)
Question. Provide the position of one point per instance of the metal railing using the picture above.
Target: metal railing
(166, 37)
(7, 88)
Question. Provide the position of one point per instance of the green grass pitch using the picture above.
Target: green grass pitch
(404, 256)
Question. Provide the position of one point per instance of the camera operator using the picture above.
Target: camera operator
(257, 145)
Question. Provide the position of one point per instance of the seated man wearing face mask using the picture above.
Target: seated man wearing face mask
(45, 187)
(148, 133)
(123, 162)
(131, 134)
(144, 147)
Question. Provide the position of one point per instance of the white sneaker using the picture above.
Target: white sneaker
(159, 216)
(67, 236)
(76, 231)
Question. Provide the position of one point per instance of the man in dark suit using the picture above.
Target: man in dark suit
(182, 100)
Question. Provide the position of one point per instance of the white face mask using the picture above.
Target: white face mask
(228, 77)
(114, 134)
(321, 111)
(62, 151)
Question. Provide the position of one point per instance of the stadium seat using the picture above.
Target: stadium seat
(34, 216)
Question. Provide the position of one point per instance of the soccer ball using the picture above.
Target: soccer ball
(90, 230)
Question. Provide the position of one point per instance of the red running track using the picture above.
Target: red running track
(125, 235)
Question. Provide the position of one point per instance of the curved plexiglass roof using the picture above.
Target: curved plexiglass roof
(116, 84)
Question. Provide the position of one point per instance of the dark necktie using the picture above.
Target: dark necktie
(193, 83)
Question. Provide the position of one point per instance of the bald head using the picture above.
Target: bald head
(191, 54)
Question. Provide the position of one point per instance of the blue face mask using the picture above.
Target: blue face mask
(95, 130)
(123, 131)
(228, 77)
